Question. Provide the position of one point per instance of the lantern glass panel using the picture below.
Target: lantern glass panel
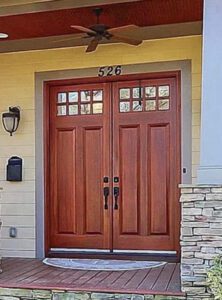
(9, 123)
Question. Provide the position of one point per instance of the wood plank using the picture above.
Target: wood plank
(77, 274)
(150, 279)
(175, 282)
(64, 275)
(110, 279)
(27, 274)
(123, 279)
(96, 279)
(85, 278)
(164, 277)
(19, 271)
(137, 279)
(34, 274)
(50, 276)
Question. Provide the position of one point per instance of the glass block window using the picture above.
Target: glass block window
(73, 97)
(150, 105)
(150, 91)
(164, 91)
(124, 94)
(61, 98)
(147, 98)
(73, 110)
(80, 102)
(61, 110)
(124, 106)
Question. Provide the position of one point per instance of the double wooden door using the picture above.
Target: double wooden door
(114, 166)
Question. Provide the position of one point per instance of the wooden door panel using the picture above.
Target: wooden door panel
(79, 159)
(93, 166)
(129, 174)
(147, 160)
(158, 143)
(66, 181)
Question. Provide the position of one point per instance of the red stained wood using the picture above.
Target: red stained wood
(129, 166)
(79, 158)
(163, 280)
(146, 149)
(124, 278)
(159, 141)
(94, 207)
(152, 12)
(66, 180)
(175, 279)
(72, 277)
(165, 277)
(150, 279)
(80, 155)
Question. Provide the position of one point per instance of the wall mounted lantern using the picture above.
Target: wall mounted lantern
(11, 119)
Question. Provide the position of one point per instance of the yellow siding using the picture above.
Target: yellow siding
(17, 88)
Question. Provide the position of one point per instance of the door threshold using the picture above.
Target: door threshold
(66, 250)
(168, 256)
(146, 252)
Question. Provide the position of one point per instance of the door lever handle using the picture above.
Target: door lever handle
(116, 195)
(106, 195)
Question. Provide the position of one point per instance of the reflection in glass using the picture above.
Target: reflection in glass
(124, 93)
(150, 91)
(124, 106)
(85, 96)
(97, 108)
(98, 95)
(164, 104)
(150, 105)
(61, 97)
(61, 110)
(137, 93)
(73, 97)
(137, 106)
(85, 109)
(164, 91)
(73, 110)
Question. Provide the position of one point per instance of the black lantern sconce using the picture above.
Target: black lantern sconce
(11, 119)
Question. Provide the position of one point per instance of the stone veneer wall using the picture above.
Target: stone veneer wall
(201, 236)
(26, 294)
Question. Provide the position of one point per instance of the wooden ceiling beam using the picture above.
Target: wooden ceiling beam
(11, 7)
(146, 33)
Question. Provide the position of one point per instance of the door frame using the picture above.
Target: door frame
(46, 138)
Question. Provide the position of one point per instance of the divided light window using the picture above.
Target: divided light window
(84, 102)
(148, 98)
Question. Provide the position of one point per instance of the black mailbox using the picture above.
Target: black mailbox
(14, 169)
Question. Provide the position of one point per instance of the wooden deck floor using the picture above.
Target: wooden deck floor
(32, 273)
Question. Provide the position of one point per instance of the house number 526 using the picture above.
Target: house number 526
(110, 71)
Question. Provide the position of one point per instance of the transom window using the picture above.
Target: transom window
(148, 98)
(84, 102)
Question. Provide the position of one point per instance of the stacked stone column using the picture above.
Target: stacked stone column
(201, 236)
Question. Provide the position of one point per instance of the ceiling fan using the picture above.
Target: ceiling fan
(100, 31)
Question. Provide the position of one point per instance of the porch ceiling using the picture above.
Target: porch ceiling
(56, 23)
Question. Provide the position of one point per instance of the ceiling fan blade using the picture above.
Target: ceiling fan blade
(93, 44)
(123, 28)
(127, 40)
(84, 29)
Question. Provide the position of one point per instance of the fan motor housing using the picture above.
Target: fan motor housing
(100, 28)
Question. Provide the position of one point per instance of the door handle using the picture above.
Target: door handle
(116, 195)
(106, 195)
